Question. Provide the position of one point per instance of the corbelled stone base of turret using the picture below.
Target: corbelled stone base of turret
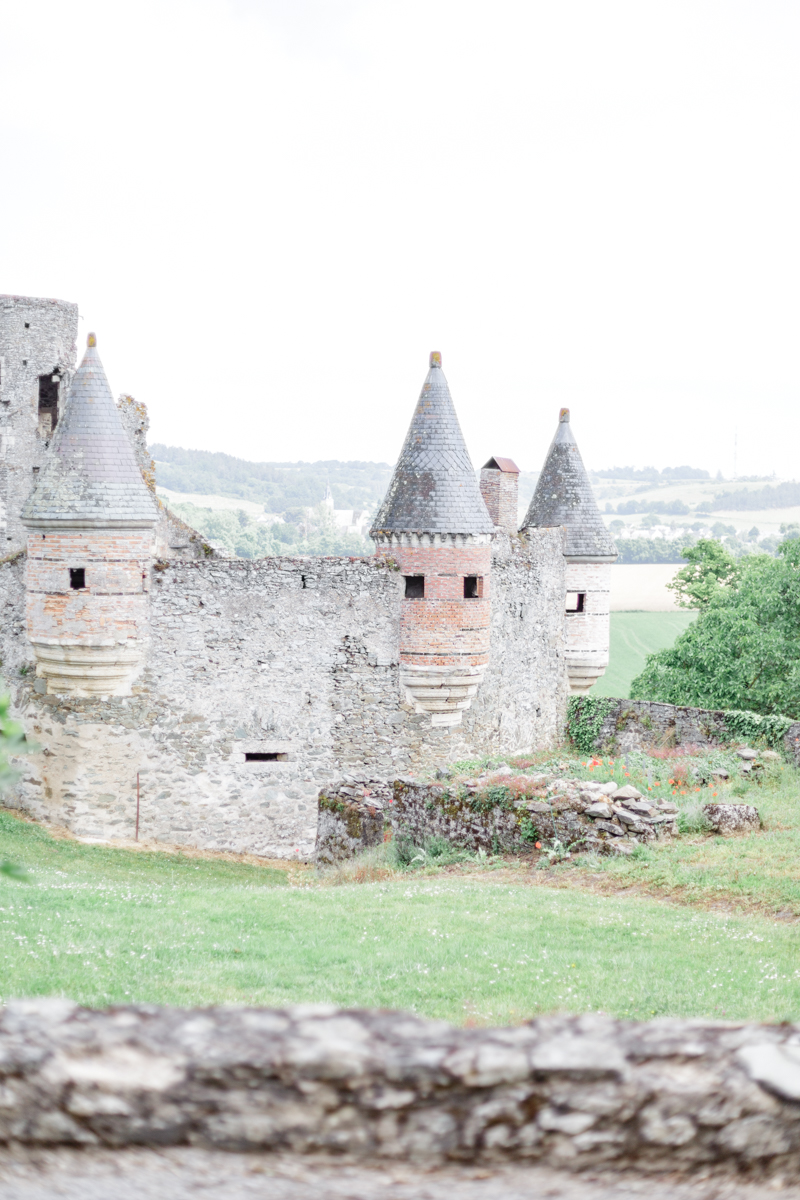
(442, 692)
(101, 668)
(584, 670)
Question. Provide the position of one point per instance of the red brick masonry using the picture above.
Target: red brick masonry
(445, 629)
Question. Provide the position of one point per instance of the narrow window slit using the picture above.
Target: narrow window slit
(48, 401)
(265, 756)
(576, 602)
(77, 577)
(472, 587)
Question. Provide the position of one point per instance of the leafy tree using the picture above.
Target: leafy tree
(310, 531)
(710, 567)
(743, 651)
(648, 550)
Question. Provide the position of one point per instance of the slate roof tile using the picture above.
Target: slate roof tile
(564, 496)
(433, 488)
(91, 473)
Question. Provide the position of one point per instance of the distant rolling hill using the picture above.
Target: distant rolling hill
(282, 486)
(278, 486)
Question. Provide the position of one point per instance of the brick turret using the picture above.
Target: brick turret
(90, 525)
(564, 497)
(435, 525)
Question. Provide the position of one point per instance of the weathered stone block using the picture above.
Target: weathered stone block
(732, 818)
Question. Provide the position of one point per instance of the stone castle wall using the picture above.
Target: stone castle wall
(294, 658)
(36, 335)
(173, 538)
(641, 724)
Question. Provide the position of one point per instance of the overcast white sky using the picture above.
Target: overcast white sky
(271, 210)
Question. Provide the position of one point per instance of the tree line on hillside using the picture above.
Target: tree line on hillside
(644, 549)
(743, 650)
(278, 486)
(652, 473)
(781, 495)
(676, 508)
(302, 531)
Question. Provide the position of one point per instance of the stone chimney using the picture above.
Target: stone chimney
(500, 490)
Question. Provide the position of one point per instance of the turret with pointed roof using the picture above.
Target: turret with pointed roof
(91, 477)
(564, 496)
(433, 489)
(435, 527)
(90, 525)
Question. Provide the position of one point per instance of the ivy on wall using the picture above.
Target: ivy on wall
(585, 717)
(750, 726)
(586, 714)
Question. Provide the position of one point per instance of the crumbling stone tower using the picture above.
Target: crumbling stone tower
(434, 524)
(564, 497)
(90, 525)
(37, 358)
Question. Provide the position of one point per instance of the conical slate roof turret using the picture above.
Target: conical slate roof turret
(91, 476)
(564, 496)
(433, 488)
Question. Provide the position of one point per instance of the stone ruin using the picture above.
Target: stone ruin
(222, 696)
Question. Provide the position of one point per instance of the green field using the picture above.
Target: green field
(110, 926)
(634, 635)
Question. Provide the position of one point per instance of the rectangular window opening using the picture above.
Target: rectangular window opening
(77, 577)
(415, 587)
(266, 756)
(576, 602)
(48, 401)
(472, 587)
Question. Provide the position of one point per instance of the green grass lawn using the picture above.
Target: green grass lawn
(634, 635)
(760, 870)
(112, 926)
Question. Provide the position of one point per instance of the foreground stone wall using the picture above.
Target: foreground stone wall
(568, 1091)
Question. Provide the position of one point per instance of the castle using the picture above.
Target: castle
(216, 697)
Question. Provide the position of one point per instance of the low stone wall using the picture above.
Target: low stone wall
(639, 724)
(568, 1091)
(351, 819)
(483, 815)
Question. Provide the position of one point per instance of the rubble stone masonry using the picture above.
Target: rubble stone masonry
(575, 1092)
(297, 659)
(36, 335)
